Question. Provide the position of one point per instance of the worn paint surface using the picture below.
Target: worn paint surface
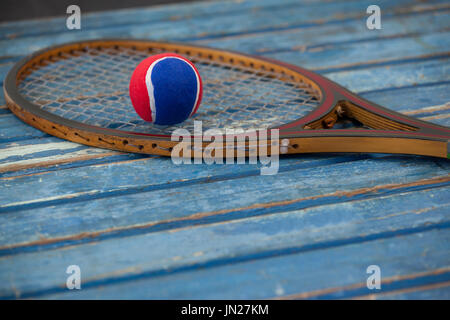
(134, 222)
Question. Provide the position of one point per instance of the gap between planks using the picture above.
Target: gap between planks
(396, 12)
(382, 62)
(94, 194)
(324, 46)
(176, 8)
(399, 13)
(195, 220)
(429, 287)
(116, 277)
(386, 281)
(9, 60)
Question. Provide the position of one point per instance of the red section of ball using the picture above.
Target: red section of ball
(138, 88)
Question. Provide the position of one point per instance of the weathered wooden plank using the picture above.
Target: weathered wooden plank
(346, 56)
(3, 108)
(326, 273)
(388, 45)
(4, 68)
(158, 171)
(133, 16)
(16, 152)
(81, 206)
(306, 230)
(409, 99)
(349, 43)
(13, 129)
(259, 21)
(312, 17)
(394, 284)
(24, 156)
(398, 75)
(319, 37)
(435, 291)
(48, 154)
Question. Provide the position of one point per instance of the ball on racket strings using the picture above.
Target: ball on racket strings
(165, 89)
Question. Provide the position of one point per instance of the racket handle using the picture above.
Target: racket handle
(368, 144)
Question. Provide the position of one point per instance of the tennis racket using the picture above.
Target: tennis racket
(79, 92)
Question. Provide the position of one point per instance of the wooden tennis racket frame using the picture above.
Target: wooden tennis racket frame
(395, 133)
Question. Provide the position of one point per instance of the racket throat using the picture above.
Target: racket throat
(347, 115)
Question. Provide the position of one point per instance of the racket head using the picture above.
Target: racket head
(79, 92)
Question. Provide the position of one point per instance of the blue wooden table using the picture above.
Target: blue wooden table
(140, 226)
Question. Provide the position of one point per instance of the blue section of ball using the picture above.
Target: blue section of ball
(174, 89)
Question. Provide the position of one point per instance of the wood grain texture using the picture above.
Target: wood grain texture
(288, 274)
(292, 16)
(435, 291)
(304, 230)
(134, 222)
(155, 206)
(131, 16)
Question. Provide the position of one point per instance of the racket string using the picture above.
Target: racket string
(91, 86)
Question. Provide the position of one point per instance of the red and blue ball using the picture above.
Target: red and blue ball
(166, 89)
